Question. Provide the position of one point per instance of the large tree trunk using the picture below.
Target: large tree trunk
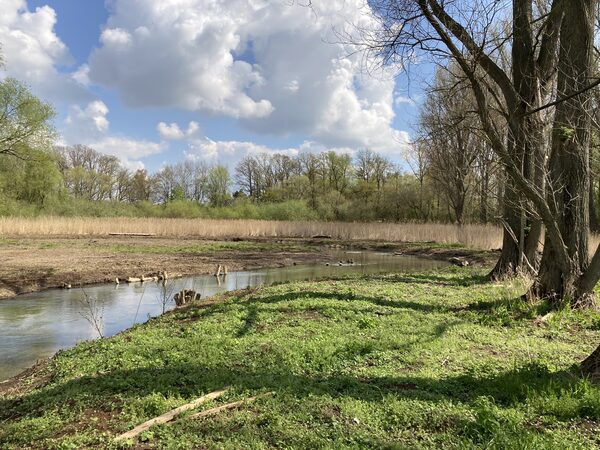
(525, 144)
(594, 224)
(508, 263)
(569, 170)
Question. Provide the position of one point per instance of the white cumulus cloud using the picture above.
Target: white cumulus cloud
(272, 65)
(32, 52)
(90, 126)
(172, 132)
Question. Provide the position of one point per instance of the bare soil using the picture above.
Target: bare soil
(37, 263)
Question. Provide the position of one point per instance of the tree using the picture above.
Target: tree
(89, 174)
(565, 43)
(311, 165)
(140, 186)
(24, 120)
(247, 176)
(450, 139)
(416, 158)
(338, 168)
(218, 186)
(163, 183)
(474, 40)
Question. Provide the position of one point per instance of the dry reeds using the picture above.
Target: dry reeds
(475, 236)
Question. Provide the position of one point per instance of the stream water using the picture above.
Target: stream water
(35, 326)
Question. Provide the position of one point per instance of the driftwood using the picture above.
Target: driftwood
(460, 262)
(133, 280)
(186, 296)
(221, 270)
(218, 409)
(167, 417)
(132, 234)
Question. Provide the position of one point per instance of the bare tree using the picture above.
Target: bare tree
(93, 312)
(450, 139)
(416, 158)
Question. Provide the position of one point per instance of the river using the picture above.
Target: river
(35, 326)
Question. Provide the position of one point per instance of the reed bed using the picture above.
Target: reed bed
(483, 237)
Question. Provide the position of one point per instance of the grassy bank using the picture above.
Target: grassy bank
(483, 237)
(440, 360)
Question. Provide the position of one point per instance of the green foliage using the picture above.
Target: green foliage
(177, 195)
(419, 360)
(218, 186)
(24, 120)
(565, 133)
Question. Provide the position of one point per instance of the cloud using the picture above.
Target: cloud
(172, 131)
(32, 52)
(231, 152)
(271, 65)
(90, 126)
(402, 100)
(126, 148)
(88, 122)
(185, 48)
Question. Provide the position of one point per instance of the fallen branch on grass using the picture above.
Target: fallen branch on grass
(167, 417)
(218, 409)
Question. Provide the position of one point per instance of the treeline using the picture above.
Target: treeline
(38, 177)
(326, 186)
(366, 187)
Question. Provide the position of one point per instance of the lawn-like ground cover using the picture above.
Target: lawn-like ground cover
(444, 360)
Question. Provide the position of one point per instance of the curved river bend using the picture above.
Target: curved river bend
(35, 326)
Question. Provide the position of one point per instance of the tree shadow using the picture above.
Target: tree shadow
(345, 300)
(190, 381)
(464, 280)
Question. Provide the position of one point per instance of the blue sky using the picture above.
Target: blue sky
(157, 81)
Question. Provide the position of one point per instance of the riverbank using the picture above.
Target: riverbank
(36, 263)
(432, 360)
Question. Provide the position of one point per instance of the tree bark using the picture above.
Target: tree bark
(569, 168)
(525, 145)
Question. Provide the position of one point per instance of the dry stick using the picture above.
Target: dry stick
(218, 409)
(167, 417)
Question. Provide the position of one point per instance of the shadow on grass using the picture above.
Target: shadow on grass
(345, 301)
(189, 381)
(459, 280)
(192, 380)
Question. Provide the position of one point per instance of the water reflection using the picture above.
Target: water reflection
(35, 326)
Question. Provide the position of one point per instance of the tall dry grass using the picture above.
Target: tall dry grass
(475, 236)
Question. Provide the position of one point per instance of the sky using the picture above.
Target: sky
(155, 82)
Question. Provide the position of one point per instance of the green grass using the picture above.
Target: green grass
(208, 247)
(438, 360)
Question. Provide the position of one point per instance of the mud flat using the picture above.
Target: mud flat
(32, 264)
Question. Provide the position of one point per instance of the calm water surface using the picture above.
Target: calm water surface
(35, 326)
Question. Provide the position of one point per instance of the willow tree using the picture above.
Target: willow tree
(24, 121)
(562, 46)
(470, 34)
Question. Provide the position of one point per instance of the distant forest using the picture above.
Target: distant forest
(450, 174)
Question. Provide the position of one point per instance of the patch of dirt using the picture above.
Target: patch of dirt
(37, 263)
(34, 264)
(31, 378)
